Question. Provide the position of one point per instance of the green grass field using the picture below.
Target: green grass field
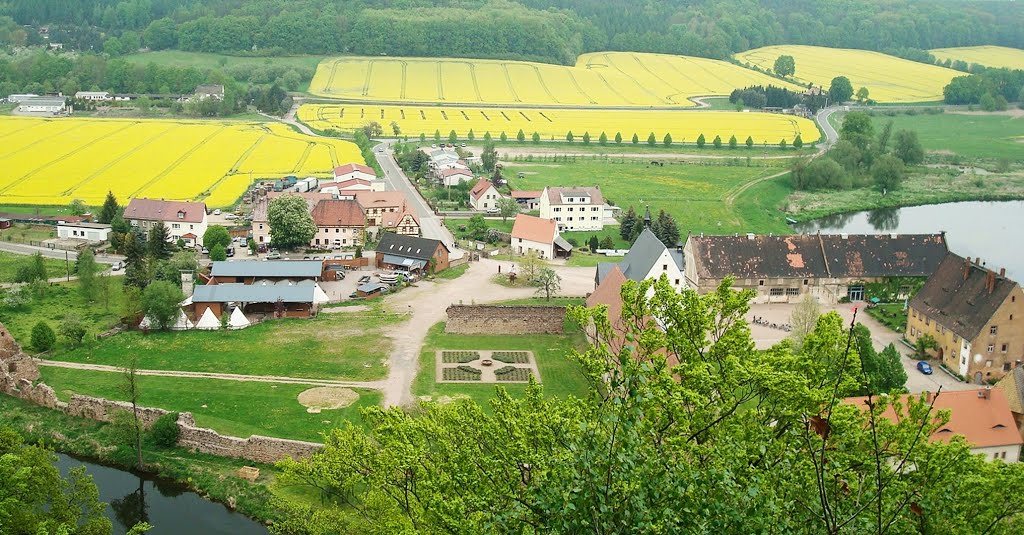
(330, 346)
(10, 262)
(229, 407)
(559, 374)
(559, 147)
(694, 194)
(203, 60)
(973, 136)
(60, 301)
(25, 233)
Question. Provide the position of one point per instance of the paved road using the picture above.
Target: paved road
(58, 254)
(831, 136)
(431, 224)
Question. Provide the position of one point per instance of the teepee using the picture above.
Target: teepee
(208, 321)
(319, 295)
(146, 323)
(238, 319)
(182, 323)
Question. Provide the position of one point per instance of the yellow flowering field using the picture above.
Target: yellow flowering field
(554, 124)
(987, 55)
(888, 78)
(598, 79)
(52, 161)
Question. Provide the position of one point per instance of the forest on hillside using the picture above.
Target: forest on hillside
(554, 31)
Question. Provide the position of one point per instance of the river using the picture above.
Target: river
(167, 505)
(992, 230)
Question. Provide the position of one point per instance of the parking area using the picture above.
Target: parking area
(766, 336)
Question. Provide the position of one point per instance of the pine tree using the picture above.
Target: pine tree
(750, 142)
(618, 138)
(798, 142)
(536, 137)
(603, 139)
(668, 140)
(666, 229)
(636, 139)
(586, 138)
(651, 140)
(594, 243)
(136, 272)
(701, 141)
(110, 209)
(717, 142)
(157, 246)
(569, 137)
(521, 136)
(732, 142)
(503, 137)
(628, 222)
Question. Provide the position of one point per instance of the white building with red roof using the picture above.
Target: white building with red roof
(454, 177)
(573, 209)
(354, 170)
(538, 235)
(180, 217)
(484, 196)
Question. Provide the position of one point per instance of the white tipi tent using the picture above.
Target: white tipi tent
(182, 323)
(238, 319)
(319, 295)
(208, 321)
(146, 323)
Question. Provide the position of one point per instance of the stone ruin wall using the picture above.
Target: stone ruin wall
(505, 319)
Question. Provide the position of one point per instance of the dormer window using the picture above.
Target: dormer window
(181, 214)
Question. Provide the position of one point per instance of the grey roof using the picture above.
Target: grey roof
(562, 244)
(371, 287)
(84, 224)
(247, 293)
(408, 246)
(268, 268)
(644, 254)
(402, 261)
(603, 269)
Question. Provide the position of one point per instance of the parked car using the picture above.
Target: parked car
(230, 216)
(364, 279)
(206, 251)
(463, 145)
(492, 210)
(118, 266)
(924, 367)
(230, 251)
(216, 212)
(273, 255)
(381, 149)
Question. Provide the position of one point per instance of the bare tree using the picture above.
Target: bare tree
(803, 319)
(130, 389)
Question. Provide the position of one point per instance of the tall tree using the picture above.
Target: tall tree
(907, 147)
(291, 224)
(488, 158)
(887, 172)
(136, 271)
(628, 222)
(131, 391)
(110, 209)
(803, 319)
(548, 282)
(840, 90)
(785, 65)
(158, 245)
(216, 235)
(86, 268)
(507, 207)
(666, 229)
(882, 143)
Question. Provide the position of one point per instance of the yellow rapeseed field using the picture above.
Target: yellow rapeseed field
(888, 78)
(52, 161)
(987, 55)
(554, 124)
(599, 79)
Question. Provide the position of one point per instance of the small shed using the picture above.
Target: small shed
(371, 289)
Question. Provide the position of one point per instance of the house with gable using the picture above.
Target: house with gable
(180, 217)
(533, 234)
(976, 317)
(351, 171)
(648, 258)
(484, 196)
(339, 223)
(573, 209)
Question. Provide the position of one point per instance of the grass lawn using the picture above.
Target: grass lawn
(61, 301)
(24, 233)
(759, 205)
(579, 259)
(460, 227)
(583, 237)
(974, 136)
(33, 209)
(10, 262)
(694, 194)
(453, 272)
(330, 346)
(559, 374)
(891, 315)
(229, 407)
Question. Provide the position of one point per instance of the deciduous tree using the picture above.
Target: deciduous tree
(507, 207)
(887, 172)
(548, 282)
(86, 268)
(216, 235)
(803, 320)
(785, 65)
(161, 303)
(840, 90)
(291, 224)
(907, 147)
(43, 337)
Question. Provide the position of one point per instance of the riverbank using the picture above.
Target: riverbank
(210, 476)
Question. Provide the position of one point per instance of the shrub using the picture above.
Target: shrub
(164, 432)
(43, 337)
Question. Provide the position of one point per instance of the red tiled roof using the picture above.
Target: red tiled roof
(555, 194)
(159, 210)
(982, 417)
(451, 172)
(353, 167)
(189, 236)
(533, 228)
(338, 214)
(480, 188)
(352, 182)
(392, 219)
(523, 194)
(379, 199)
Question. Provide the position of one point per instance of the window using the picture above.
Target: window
(988, 363)
(1011, 317)
(558, 209)
(337, 230)
(175, 226)
(956, 339)
(569, 209)
(991, 348)
(1006, 366)
(664, 267)
(992, 330)
(1004, 347)
(677, 282)
(805, 282)
(261, 226)
(594, 209)
(593, 219)
(792, 291)
(760, 282)
(963, 360)
(775, 291)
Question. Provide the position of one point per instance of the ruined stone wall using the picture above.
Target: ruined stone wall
(505, 319)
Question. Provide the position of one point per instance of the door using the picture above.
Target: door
(855, 292)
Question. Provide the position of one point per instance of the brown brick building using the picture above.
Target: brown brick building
(975, 315)
(409, 253)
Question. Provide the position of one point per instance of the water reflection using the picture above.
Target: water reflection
(131, 509)
(884, 219)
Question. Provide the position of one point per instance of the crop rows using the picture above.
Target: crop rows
(888, 78)
(600, 79)
(459, 357)
(989, 56)
(555, 124)
(512, 374)
(51, 161)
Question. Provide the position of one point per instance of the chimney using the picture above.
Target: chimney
(1002, 273)
(750, 235)
(985, 393)
(967, 268)
(977, 261)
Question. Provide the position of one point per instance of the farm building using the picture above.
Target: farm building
(180, 217)
(257, 302)
(538, 235)
(209, 91)
(52, 105)
(17, 98)
(339, 223)
(94, 95)
(528, 200)
(268, 272)
(350, 171)
(969, 310)
(371, 289)
(454, 177)
(405, 223)
(782, 269)
(377, 203)
(409, 253)
(573, 209)
(92, 232)
(353, 185)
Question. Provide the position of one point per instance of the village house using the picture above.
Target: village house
(573, 209)
(90, 232)
(1012, 386)
(648, 258)
(412, 254)
(454, 177)
(351, 171)
(352, 185)
(378, 203)
(209, 91)
(982, 417)
(538, 235)
(976, 317)
(405, 223)
(339, 223)
(180, 218)
(99, 96)
(484, 196)
(528, 200)
(831, 268)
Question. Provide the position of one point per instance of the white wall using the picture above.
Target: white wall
(667, 266)
(1012, 453)
(488, 200)
(544, 250)
(355, 174)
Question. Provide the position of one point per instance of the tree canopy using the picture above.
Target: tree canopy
(291, 224)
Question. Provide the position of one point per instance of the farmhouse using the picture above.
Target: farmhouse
(781, 269)
(648, 258)
(405, 223)
(354, 170)
(209, 91)
(982, 417)
(91, 232)
(484, 196)
(180, 217)
(51, 105)
(975, 317)
(352, 185)
(339, 223)
(259, 301)
(538, 235)
(409, 253)
(573, 209)
(266, 273)
(377, 203)
(93, 95)
(454, 177)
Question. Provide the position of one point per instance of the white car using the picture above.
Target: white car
(492, 210)
(230, 216)
(216, 212)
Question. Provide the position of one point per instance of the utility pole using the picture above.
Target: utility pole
(67, 265)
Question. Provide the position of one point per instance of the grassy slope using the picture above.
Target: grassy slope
(10, 262)
(331, 346)
(204, 60)
(693, 194)
(60, 301)
(559, 375)
(972, 136)
(229, 407)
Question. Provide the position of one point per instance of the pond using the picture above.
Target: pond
(167, 505)
(992, 230)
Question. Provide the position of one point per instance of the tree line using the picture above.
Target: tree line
(554, 31)
(993, 89)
